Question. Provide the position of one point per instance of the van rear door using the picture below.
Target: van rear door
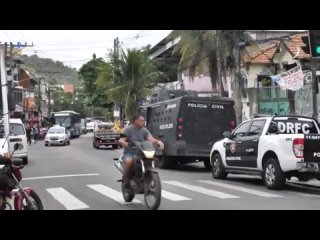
(204, 121)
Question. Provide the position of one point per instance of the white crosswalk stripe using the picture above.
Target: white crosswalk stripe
(173, 197)
(111, 193)
(69, 201)
(202, 190)
(241, 189)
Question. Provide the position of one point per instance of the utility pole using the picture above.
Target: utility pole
(236, 93)
(49, 99)
(218, 51)
(39, 101)
(49, 93)
(4, 90)
(117, 106)
(5, 84)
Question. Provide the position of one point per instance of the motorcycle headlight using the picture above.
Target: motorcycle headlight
(149, 154)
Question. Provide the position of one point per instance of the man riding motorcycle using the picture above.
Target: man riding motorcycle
(135, 133)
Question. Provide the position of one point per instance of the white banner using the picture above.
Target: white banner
(290, 80)
(116, 113)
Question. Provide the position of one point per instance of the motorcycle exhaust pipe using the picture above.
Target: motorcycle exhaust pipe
(119, 166)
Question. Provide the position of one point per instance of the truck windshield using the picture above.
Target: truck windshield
(61, 120)
(17, 129)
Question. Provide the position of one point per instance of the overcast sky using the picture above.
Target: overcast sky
(75, 47)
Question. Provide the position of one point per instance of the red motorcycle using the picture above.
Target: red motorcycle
(10, 187)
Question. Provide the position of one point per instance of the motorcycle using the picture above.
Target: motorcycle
(144, 179)
(24, 198)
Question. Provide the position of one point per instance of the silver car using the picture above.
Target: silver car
(57, 135)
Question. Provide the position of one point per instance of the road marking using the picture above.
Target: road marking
(241, 189)
(109, 192)
(173, 197)
(69, 201)
(62, 176)
(306, 195)
(202, 190)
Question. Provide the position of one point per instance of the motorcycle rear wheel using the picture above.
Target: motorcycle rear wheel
(152, 190)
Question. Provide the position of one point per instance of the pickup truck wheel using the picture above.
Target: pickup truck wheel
(273, 176)
(218, 170)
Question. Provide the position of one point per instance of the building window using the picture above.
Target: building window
(287, 67)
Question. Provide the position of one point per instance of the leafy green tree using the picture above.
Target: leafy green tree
(129, 78)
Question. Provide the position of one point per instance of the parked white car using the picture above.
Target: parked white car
(276, 148)
(57, 135)
(17, 135)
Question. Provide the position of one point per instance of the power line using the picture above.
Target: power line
(67, 49)
(15, 34)
(6, 34)
(21, 34)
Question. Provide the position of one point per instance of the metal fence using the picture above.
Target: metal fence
(274, 100)
(272, 94)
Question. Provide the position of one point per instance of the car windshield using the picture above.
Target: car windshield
(105, 126)
(56, 130)
(17, 129)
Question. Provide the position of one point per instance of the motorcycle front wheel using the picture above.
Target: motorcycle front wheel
(25, 205)
(152, 190)
(128, 196)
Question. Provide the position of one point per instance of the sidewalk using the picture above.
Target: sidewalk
(311, 183)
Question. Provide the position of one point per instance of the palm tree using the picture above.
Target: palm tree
(198, 52)
(198, 49)
(129, 79)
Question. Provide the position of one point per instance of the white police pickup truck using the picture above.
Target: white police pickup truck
(277, 148)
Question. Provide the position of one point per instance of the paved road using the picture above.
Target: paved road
(80, 177)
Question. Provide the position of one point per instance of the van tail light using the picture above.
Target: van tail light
(298, 147)
(179, 128)
(233, 124)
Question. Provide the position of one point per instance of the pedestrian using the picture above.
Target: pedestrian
(28, 132)
(33, 135)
